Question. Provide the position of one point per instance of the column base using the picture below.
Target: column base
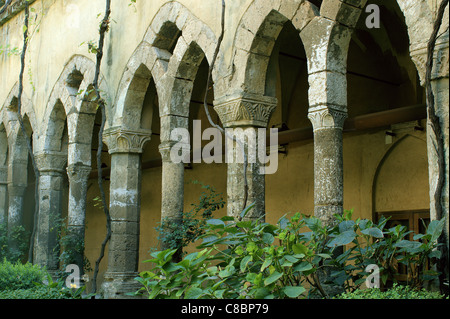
(118, 285)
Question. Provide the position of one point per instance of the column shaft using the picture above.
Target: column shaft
(78, 175)
(16, 195)
(123, 253)
(328, 163)
(46, 246)
(172, 203)
(328, 174)
(125, 147)
(235, 177)
(246, 112)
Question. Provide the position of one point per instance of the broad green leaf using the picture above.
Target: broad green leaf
(346, 225)
(407, 244)
(227, 218)
(244, 224)
(216, 222)
(373, 231)
(435, 229)
(193, 293)
(313, 223)
(272, 278)
(210, 240)
(268, 238)
(246, 210)
(303, 266)
(418, 236)
(219, 293)
(291, 259)
(283, 222)
(244, 262)
(343, 239)
(266, 264)
(293, 291)
(299, 249)
(435, 254)
(251, 246)
(262, 293)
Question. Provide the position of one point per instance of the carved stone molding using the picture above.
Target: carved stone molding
(51, 162)
(78, 173)
(327, 118)
(246, 110)
(165, 149)
(440, 65)
(121, 140)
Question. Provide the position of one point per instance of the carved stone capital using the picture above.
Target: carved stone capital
(78, 173)
(440, 63)
(121, 140)
(165, 149)
(51, 162)
(327, 118)
(246, 110)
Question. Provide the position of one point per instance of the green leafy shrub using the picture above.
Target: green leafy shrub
(19, 235)
(396, 292)
(15, 276)
(387, 248)
(70, 248)
(27, 281)
(38, 292)
(253, 259)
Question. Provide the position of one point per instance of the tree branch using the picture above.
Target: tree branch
(22, 128)
(104, 27)
(205, 104)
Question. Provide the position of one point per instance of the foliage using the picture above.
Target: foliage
(59, 288)
(47, 290)
(38, 292)
(70, 247)
(191, 227)
(15, 276)
(27, 281)
(19, 235)
(386, 248)
(396, 292)
(253, 259)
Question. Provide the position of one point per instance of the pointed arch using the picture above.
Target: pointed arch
(69, 107)
(173, 31)
(399, 179)
(256, 35)
(147, 63)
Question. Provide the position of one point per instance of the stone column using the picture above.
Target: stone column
(125, 147)
(328, 173)
(17, 184)
(78, 175)
(3, 194)
(46, 247)
(328, 162)
(242, 116)
(172, 192)
(172, 187)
